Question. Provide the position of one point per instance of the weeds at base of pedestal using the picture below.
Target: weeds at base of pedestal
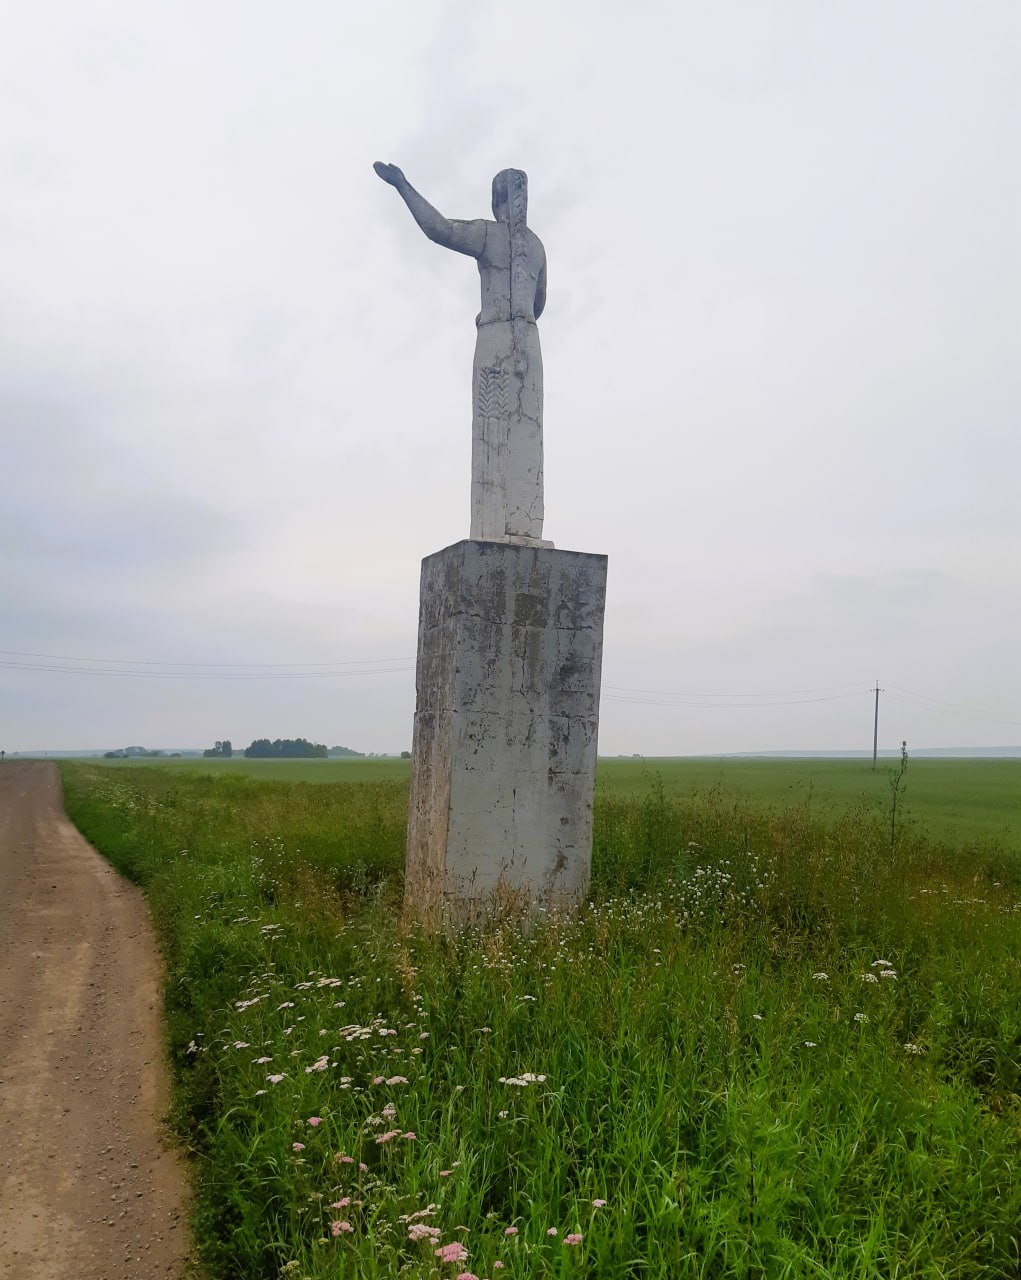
(767, 1047)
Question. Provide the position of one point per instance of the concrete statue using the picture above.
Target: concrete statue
(510, 629)
(506, 490)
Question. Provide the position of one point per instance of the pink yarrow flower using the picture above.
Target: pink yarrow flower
(315, 1120)
(419, 1231)
(510, 1231)
(341, 1228)
(454, 1252)
(573, 1238)
(598, 1204)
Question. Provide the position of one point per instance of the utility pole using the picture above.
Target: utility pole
(875, 729)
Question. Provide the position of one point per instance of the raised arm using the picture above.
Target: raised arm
(462, 237)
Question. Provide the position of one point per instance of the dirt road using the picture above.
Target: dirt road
(88, 1190)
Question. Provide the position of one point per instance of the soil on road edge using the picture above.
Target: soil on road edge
(89, 1187)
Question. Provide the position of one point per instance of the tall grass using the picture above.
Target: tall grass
(769, 1046)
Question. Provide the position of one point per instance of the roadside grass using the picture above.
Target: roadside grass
(774, 1044)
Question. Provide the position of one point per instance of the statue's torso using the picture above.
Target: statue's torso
(494, 269)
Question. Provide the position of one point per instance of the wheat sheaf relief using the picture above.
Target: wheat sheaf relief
(494, 394)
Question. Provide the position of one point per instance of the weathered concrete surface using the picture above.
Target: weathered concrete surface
(507, 453)
(504, 758)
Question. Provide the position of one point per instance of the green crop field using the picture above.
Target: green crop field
(337, 770)
(957, 800)
(783, 1039)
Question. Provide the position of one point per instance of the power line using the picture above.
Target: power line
(724, 706)
(145, 662)
(940, 704)
(783, 693)
(125, 673)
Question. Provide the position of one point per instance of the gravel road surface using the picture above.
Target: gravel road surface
(89, 1188)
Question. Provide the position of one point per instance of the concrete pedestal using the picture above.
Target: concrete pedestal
(510, 642)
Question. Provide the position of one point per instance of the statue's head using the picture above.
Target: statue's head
(510, 194)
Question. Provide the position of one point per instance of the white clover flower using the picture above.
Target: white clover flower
(820, 977)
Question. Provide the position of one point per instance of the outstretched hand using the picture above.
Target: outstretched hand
(389, 173)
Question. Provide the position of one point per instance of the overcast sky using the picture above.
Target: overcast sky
(782, 351)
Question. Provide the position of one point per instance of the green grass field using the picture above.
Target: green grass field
(956, 800)
(782, 1040)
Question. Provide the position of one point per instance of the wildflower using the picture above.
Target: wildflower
(498, 1265)
(466, 1275)
(445, 1173)
(552, 1231)
(277, 1078)
(598, 1204)
(297, 1146)
(342, 1203)
(410, 1136)
(913, 1048)
(420, 1231)
(881, 964)
(320, 1064)
(453, 1252)
(888, 973)
(861, 1017)
(339, 1228)
(313, 1121)
(510, 1231)
(241, 1044)
(820, 977)
(379, 1079)
(757, 1017)
(573, 1238)
(503, 1114)
(260, 1061)
(397, 1080)
(381, 1138)
(810, 1044)
(869, 977)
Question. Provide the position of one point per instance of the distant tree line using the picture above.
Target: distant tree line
(286, 749)
(221, 750)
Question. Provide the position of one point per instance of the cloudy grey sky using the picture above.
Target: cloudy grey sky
(781, 353)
